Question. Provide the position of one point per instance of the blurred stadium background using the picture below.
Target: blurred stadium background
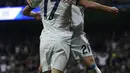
(109, 35)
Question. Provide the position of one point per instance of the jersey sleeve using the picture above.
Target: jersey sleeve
(34, 3)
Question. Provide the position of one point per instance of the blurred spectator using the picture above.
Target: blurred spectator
(102, 57)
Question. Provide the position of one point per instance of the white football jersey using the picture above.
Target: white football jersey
(77, 20)
(56, 18)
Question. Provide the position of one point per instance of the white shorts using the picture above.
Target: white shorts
(80, 47)
(53, 54)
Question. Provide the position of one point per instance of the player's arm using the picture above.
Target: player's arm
(95, 5)
(40, 69)
(27, 11)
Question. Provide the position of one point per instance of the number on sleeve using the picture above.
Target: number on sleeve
(84, 49)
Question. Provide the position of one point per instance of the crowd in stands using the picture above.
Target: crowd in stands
(19, 56)
(22, 56)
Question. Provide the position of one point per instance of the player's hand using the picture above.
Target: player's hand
(114, 10)
(37, 16)
(40, 69)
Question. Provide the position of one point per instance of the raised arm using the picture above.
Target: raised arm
(95, 5)
(27, 11)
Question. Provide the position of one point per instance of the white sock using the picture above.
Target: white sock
(94, 69)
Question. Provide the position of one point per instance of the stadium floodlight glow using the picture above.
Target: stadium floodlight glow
(14, 13)
(9, 13)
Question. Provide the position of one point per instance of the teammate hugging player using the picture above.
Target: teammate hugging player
(56, 35)
(80, 46)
